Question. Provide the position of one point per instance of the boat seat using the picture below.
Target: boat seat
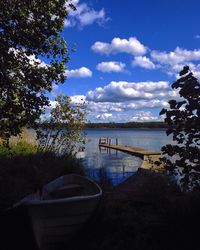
(67, 191)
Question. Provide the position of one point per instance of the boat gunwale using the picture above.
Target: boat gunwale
(64, 200)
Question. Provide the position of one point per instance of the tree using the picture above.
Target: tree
(62, 133)
(29, 32)
(183, 158)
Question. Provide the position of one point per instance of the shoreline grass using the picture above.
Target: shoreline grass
(151, 215)
(24, 169)
(143, 213)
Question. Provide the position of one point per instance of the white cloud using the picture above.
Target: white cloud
(92, 16)
(173, 62)
(69, 23)
(178, 56)
(82, 72)
(143, 116)
(33, 60)
(104, 116)
(77, 99)
(155, 103)
(197, 74)
(52, 104)
(140, 116)
(120, 98)
(118, 111)
(124, 91)
(131, 46)
(111, 66)
(85, 15)
(121, 107)
(108, 117)
(175, 69)
(143, 62)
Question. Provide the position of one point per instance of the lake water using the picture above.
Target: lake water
(112, 166)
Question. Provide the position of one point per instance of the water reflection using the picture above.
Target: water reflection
(115, 167)
(109, 164)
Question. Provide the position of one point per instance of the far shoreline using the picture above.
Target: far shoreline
(138, 125)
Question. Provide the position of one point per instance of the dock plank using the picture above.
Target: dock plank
(150, 157)
(130, 149)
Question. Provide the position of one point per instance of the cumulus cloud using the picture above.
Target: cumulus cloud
(143, 62)
(82, 72)
(121, 98)
(84, 15)
(131, 46)
(52, 104)
(140, 116)
(104, 116)
(119, 111)
(173, 62)
(143, 116)
(174, 70)
(177, 56)
(33, 60)
(115, 111)
(120, 107)
(107, 117)
(92, 16)
(77, 99)
(124, 91)
(112, 66)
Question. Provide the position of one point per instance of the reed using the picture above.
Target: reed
(24, 169)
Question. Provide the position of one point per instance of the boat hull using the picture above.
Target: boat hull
(54, 221)
(53, 224)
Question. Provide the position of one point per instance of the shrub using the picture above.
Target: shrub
(182, 160)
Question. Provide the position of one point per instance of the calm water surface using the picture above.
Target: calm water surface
(114, 166)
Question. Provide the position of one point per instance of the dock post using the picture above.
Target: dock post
(109, 142)
(116, 141)
(123, 170)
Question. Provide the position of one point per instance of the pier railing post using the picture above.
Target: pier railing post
(116, 141)
(109, 141)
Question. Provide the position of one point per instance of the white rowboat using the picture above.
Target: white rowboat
(61, 208)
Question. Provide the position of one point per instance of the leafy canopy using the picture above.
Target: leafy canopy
(29, 32)
(62, 132)
(183, 117)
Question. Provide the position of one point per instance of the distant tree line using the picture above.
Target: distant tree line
(127, 125)
(111, 125)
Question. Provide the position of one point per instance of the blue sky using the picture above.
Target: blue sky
(127, 55)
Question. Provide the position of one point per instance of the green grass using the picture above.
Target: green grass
(23, 170)
(159, 218)
(20, 148)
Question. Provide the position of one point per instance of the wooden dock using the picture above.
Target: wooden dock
(150, 157)
(131, 150)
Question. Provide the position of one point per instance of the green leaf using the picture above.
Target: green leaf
(163, 111)
(184, 71)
